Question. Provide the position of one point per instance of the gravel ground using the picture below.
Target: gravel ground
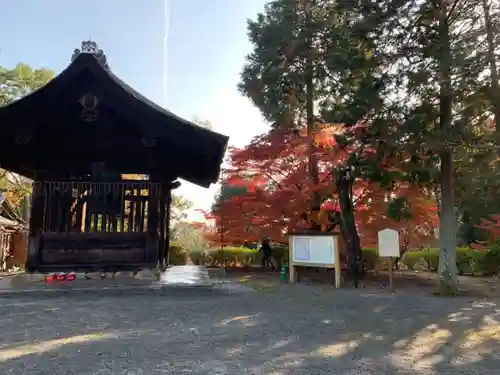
(289, 329)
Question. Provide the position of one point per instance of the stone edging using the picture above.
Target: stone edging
(27, 278)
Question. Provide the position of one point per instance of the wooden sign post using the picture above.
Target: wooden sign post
(388, 247)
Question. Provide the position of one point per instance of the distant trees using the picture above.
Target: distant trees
(189, 236)
(20, 81)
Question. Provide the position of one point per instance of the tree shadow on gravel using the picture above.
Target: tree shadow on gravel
(364, 333)
(295, 329)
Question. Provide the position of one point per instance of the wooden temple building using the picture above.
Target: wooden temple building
(76, 138)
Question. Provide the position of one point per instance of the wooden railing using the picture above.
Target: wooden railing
(96, 206)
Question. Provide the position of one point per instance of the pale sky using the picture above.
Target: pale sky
(206, 42)
(225, 108)
(235, 116)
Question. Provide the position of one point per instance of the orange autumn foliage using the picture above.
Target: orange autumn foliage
(491, 226)
(415, 231)
(274, 169)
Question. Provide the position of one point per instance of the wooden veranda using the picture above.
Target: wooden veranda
(77, 137)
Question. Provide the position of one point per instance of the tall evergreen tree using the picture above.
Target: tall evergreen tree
(284, 75)
(422, 73)
(439, 70)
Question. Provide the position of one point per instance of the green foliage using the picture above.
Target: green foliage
(274, 76)
(243, 256)
(20, 81)
(412, 258)
(177, 254)
(370, 258)
(227, 192)
(196, 256)
(229, 256)
(469, 261)
(399, 209)
(232, 256)
(477, 191)
(189, 236)
(179, 206)
(489, 263)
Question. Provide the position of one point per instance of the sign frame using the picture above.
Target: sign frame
(295, 264)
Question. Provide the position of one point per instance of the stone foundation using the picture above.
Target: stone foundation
(24, 279)
(148, 274)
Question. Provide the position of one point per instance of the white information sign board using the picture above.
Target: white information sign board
(302, 249)
(314, 249)
(388, 243)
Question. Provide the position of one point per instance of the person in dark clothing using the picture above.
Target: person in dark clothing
(267, 252)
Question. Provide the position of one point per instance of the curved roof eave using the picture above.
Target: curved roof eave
(43, 96)
(81, 62)
(156, 110)
(138, 105)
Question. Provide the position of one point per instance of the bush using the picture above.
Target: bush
(469, 261)
(230, 256)
(431, 257)
(197, 257)
(177, 254)
(466, 263)
(489, 261)
(280, 252)
(242, 256)
(233, 256)
(370, 258)
(411, 258)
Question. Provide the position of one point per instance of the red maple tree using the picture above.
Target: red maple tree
(273, 168)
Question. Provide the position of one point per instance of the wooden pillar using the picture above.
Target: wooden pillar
(152, 228)
(161, 241)
(166, 220)
(162, 228)
(35, 226)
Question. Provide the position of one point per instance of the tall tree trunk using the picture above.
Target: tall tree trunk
(311, 123)
(448, 275)
(490, 54)
(447, 271)
(348, 227)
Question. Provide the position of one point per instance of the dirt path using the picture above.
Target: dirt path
(302, 329)
(404, 281)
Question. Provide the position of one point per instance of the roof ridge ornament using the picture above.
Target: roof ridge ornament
(91, 48)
